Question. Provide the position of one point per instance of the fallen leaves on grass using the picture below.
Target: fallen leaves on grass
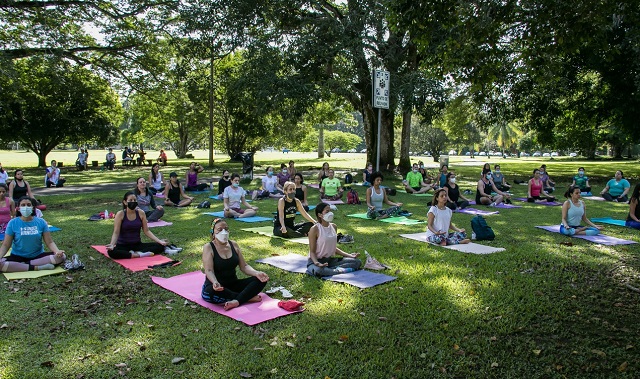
(246, 375)
(623, 366)
(537, 352)
(177, 360)
(599, 352)
(47, 364)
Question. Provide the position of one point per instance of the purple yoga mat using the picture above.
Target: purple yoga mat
(539, 202)
(298, 263)
(189, 286)
(473, 211)
(600, 238)
(501, 205)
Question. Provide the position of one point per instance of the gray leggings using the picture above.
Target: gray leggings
(154, 215)
(336, 266)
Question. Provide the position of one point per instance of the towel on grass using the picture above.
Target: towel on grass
(189, 286)
(472, 247)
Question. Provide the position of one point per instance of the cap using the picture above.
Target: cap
(173, 175)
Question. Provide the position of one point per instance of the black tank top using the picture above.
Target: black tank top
(19, 191)
(300, 194)
(487, 191)
(174, 193)
(454, 193)
(637, 212)
(290, 209)
(222, 184)
(225, 269)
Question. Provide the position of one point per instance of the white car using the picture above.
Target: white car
(537, 154)
(363, 151)
(352, 151)
(554, 153)
(524, 154)
(427, 153)
(482, 154)
(336, 150)
(546, 155)
(468, 153)
(452, 152)
(573, 155)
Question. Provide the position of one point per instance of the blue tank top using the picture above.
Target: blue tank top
(130, 230)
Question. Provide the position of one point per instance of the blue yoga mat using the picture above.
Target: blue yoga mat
(241, 219)
(298, 263)
(610, 221)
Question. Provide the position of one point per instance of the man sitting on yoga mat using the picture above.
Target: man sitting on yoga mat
(284, 224)
(24, 235)
(323, 242)
(220, 258)
(126, 242)
(633, 218)
(573, 211)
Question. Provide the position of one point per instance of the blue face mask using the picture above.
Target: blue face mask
(235, 185)
(270, 173)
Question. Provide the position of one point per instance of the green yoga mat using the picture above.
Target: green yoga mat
(418, 195)
(609, 220)
(401, 220)
(268, 231)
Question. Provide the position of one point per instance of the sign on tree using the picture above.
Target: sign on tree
(381, 84)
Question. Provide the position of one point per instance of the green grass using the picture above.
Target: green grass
(538, 310)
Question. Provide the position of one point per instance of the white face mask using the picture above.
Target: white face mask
(222, 236)
(328, 217)
(25, 211)
(452, 180)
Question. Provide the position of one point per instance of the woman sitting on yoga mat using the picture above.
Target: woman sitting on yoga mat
(617, 188)
(234, 197)
(284, 224)
(455, 199)
(377, 195)
(146, 202)
(220, 257)
(301, 190)
(156, 179)
(7, 208)
(439, 223)
(192, 178)
(573, 211)
(323, 242)
(174, 193)
(24, 235)
(633, 218)
(126, 242)
(536, 190)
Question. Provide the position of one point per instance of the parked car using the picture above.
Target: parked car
(482, 154)
(468, 153)
(352, 151)
(554, 153)
(363, 151)
(546, 155)
(452, 152)
(427, 153)
(537, 154)
(573, 155)
(336, 150)
(524, 154)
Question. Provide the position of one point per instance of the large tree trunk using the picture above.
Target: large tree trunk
(405, 142)
(321, 142)
(386, 136)
(42, 158)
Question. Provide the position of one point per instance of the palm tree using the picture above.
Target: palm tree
(505, 134)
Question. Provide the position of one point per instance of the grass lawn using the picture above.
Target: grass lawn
(540, 309)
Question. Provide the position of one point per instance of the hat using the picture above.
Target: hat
(173, 175)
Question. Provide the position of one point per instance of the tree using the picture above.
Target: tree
(505, 134)
(344, 141)
(53, 102)
(459, 123)
(434, 140)
(325, 114)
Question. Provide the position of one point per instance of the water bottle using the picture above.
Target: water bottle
(211, 185)
(106, 214)
(473, 235)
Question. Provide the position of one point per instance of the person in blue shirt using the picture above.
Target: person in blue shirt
(617, 189)
(24, 235)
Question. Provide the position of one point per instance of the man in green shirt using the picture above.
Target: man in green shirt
(414, 183)
(330, 188)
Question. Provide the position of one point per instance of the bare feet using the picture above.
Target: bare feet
(229, 305)
(466, 240)
(255, 299)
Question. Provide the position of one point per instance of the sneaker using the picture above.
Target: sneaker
(373, 264)
(467, 192)
(286, 294)
(170, 251)
(492, 204)
(404, 213)
(273, 290)
(174, 247)
(346, 239)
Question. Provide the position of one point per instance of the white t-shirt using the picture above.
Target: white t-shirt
(158, 184)
(234, 195)
(269, 183)
(3, 177)
(441, 220)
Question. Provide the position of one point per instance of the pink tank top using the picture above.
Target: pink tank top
(536, 187)
(5, 212)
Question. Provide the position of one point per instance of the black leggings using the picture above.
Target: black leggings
(123, 251)
(619, 199)
(533, 199)
(197, 187)
(241, 290)
(461, 204)
(300, 229)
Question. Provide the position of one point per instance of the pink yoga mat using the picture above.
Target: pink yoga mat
(334, 202)
(313, 185)
(189, 286)
(155, 224)
(135, 264)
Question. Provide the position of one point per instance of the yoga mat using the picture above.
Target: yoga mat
(416, 194)
(33, 274)
(313, 185)
(507, 206)
(596, 198)
(159, 195)
(155, 224)
(547, 203)
(135, 264)
(268, 231)
(241, 219)
(471, 248)
(298, 264)
(610, 221)
(583, 194)
(401, 220)
(473, 211)
(599, 239)
(189, 286)
(221, 199)
(334, 202)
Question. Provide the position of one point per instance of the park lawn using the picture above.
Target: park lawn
(540, 309)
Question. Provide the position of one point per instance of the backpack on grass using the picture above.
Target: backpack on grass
(352, 197)
(481, 229)
(348, 179)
